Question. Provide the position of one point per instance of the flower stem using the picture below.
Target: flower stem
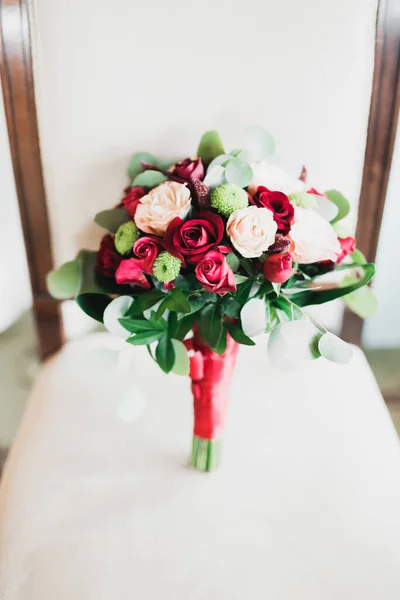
(206, 454)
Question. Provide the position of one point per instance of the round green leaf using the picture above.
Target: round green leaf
(149, 179)
(94, 305)
(117, 309)
(112, 219)
(239, 172)
(334, 349)
(181, 365)
(135, 166)
(63, 283)
(210, 147)
(259, 142)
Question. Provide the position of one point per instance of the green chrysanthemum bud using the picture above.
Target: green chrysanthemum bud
(166, 267)
(227, 198)
(304, 200)
(126, 237)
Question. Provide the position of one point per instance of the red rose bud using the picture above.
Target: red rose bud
(129, 272)
(214, 273)
(107, 259)
(348, 246)
(279, 204)
(278, 268)
(131, 200)
(189, 169)
(147, 249)
(191, 240)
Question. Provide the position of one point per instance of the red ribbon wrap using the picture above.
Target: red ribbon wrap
(211, 375)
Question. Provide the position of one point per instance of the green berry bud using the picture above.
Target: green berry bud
(126, 237)
(166, 267)
(227, 198)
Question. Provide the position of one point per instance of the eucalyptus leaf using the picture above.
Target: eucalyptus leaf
(362, 302)
(254, 317)
(341, 202)
(149, 179)
(210, 147)
(181, 364)
(112, 219)
(222, 160)
(259, 142)
(63, 283)
(238, 172)
(135, 164)
(334, 349)
(116, 310)
(215, 177)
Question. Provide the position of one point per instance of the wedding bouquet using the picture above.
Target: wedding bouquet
(203, 254)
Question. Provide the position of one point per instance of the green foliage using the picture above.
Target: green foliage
(243, 292)
(230, 307)
(179, 328)
(149, 179)
(210, 147)
(146, 337)
(112, 219)
(64, 282)
(165, 354)
(144, 302)
(135, 166)
(94, 305)
(238, 172)
(259, 142)
(233, 261)
(210, 324)
(181, 364)
(236, 331)
(315, 296)
(362, 302)
(334, 349)
(342, 204)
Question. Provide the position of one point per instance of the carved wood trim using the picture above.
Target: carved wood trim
(20, 107)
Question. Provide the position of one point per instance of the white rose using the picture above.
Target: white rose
(313, 237)
(275, 179)
(159, 207)
(251, 230)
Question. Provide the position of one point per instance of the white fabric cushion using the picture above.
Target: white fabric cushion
(305, 505)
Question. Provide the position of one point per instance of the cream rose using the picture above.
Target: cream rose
(313, 237)
(159, 207)
(251, 230)
(274, 178)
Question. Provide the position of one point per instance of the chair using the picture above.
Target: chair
(94, 505)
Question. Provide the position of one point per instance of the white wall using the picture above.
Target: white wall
(15, 291)
(118, 77)
(383, 329)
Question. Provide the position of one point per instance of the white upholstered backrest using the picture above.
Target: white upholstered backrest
(118, 77)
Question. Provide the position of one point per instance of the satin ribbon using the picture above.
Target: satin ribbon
(211, 375)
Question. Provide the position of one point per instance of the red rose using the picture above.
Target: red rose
(147, 249)
(129, 272)
(189, 169)
(278, 268)
(191, 240)
(348, 246)
(131, 200)
(279, 204)
(107, 259)
(214, 273)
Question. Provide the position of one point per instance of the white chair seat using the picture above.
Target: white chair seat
(304, 507)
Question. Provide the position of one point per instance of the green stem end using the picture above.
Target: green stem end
(206, 454)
